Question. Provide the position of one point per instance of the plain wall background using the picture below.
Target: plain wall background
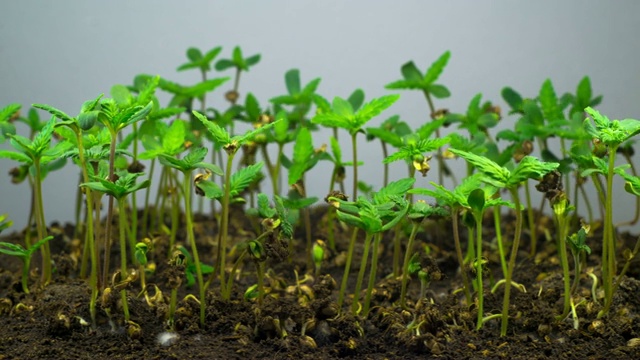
(65, 52)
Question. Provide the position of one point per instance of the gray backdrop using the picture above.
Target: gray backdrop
(65, 52)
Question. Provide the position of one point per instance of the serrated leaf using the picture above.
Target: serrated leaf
(373, 109)
(220, 135)
(583, 93)
(394, 188)
(211, 189)
(434, 71)
(54, 111)
(530, 168)
(173, 139)
(121, 95)
(15, 156)
(497, 173)
(244, 177)
(549, 101)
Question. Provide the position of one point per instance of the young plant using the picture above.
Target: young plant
(501, 177)
(186, 165)
(7, 115)
(36, 154)
(124, 185)
(240, 64)
(390, 132)
(418, 212)
(21, 253)
(298, 96)
(230, 145)
(370, 215)
(413, 79)
(610, 133)
(579, 248)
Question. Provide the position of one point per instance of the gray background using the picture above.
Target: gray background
(65, 52)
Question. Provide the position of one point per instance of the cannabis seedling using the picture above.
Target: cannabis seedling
(610, 133)
(186, 165)
(501, 177)
(240, 64)
(124, 185)
(230, 145)
(21, 253)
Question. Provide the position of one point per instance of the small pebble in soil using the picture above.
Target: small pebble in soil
(167, 338)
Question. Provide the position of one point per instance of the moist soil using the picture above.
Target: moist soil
(303, 322)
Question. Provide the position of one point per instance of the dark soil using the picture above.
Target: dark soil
(49, 323)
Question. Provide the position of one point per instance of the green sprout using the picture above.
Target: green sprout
(240, 63)
(36, 154)
(21, 253)
(7, 115)
(414, 79)
(501, 177)
(230, 145)
(124, 185)
(611, 133)
(186, 165)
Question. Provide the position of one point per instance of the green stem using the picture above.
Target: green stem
(372, 274)
(224, 228)
(260, 275)
(145, 213)
(609, 242)
(478, 218)
(354, 149)
(512, 260)
(123, 255)
(498, 229)
(531, 220)
(25, 273)
(172, 307)
(407, 258)
(41, 224)
(347, 267)
(107, 233)
(363, 268)
(175, 217)
(385, 154)
(562, 252)
(192, 241)
(456, 240)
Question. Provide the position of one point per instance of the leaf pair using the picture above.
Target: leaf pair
(413, 79)
(343, 115)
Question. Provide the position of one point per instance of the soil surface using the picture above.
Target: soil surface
(303, 322)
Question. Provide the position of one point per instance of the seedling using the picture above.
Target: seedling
(21, 253)
(7, 116)
(230, 146)
(413, 79)
(240, 64)
(501, 177)
(611, 134)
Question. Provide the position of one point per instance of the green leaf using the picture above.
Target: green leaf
(220, 135)
(476, 200)
(252, 60)
(244, 177)
(173, 139)
(8, 111)
(493, 171)
(302, 152)
(121, 95)
(281, 127)
(211, 189)
(252, 107)
(512, 98)
(54, 111)
(394, 188)
(356, 99)
(411, 72)
(16, 156)
(530, 168)
(213, 168)
(583, 93)
(549, 101)
(13, 250)
(434, 71)
(196, 155)
(373, 109)
(438, 91)
(194, 54)
(342, 107)
(224, 64)
(292, 81)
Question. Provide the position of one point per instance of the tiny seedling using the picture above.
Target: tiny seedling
(23, 254)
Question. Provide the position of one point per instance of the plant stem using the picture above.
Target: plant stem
(145, 213)
(531, 220)
(192, 241)
(608, 240)
(354, 149)
(407, 258)
(385, 154)
(512, 260)
(123, 256)
(372, 273)
(478, 218)
(363, 267)
(347, 267)
(456, 239)
(224, 228)
(41, 224)
(498, 229)
(562, 252)
(175, 216)
(107, 233)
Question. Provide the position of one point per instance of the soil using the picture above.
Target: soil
(50, 321)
